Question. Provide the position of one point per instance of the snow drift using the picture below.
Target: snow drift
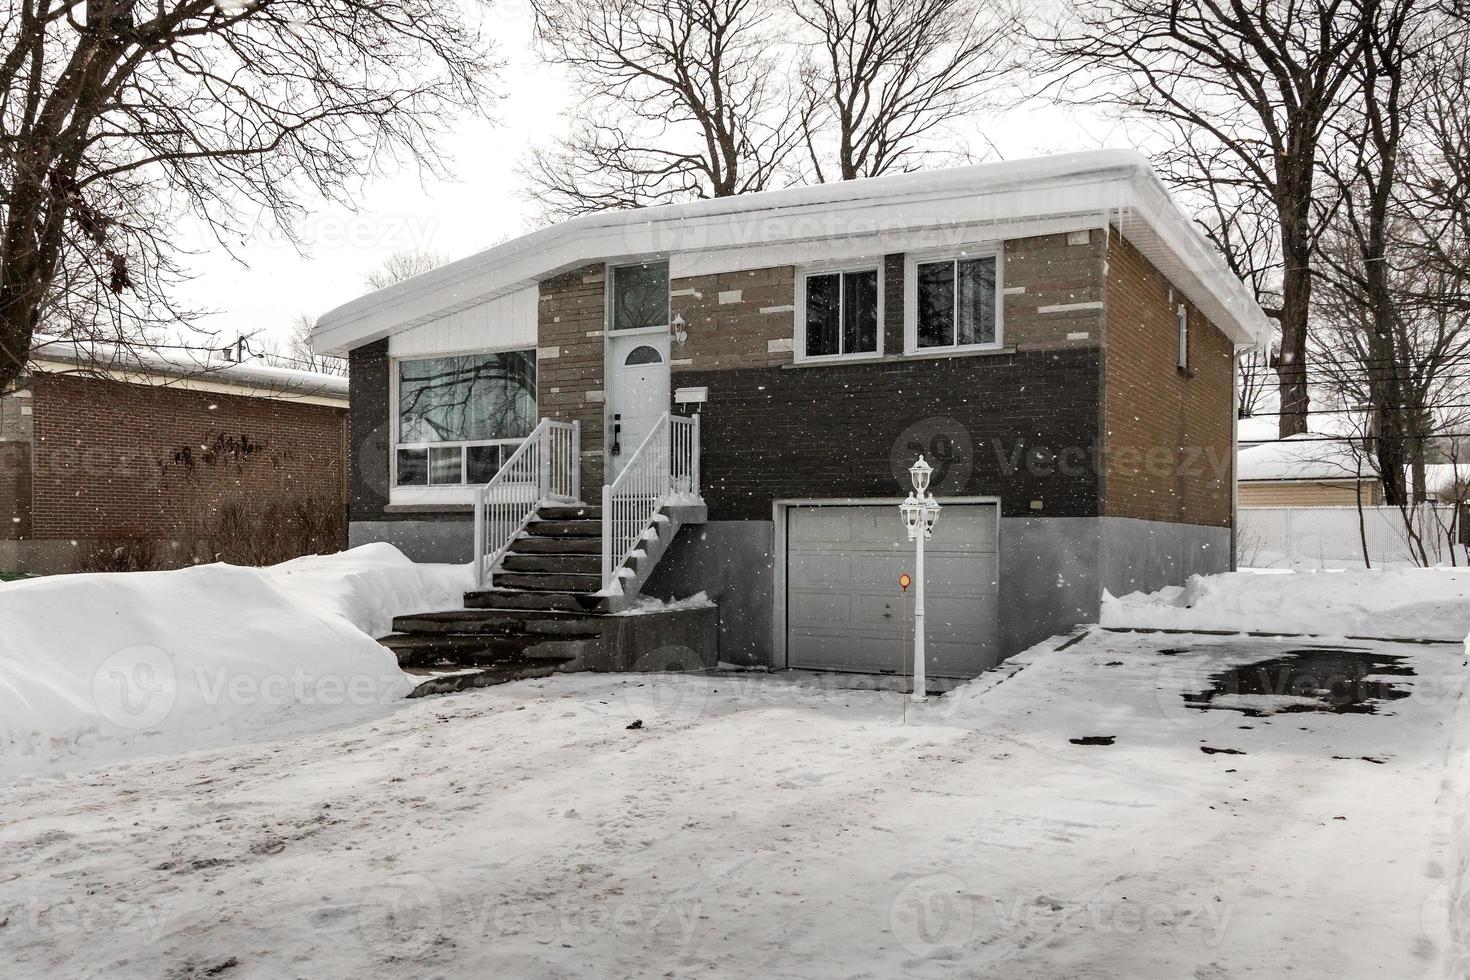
(98, 658)
(1413, 603)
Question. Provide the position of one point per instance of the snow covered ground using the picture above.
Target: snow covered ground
(765, 826)
(1405, 603)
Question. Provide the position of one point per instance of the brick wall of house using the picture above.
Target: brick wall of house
(1020, 426)
(569, 365)
(15, 464)
(734, 319)
(1168, 444)
(369, 432)
(1054, 291)
(112, 459)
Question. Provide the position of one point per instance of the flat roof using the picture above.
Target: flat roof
(1109, 187)
(136, 363)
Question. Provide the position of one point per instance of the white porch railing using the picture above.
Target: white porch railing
(663, 469)
(546, 468)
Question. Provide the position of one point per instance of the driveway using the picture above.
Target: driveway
(1134, 805)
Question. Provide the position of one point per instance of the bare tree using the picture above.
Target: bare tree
(1249, 87)
(117, 118)
(887, 74)
(679, 99)
(1393, 324)
(404, 265)
(299, 350)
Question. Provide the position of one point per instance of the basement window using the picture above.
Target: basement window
(460, 417)
(838, 314)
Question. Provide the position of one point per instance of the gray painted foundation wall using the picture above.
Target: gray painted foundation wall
(421, 540)
(733, 562)
(1053, 570)
(1052, 573)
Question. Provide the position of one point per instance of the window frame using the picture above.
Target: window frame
(610, 293)
(827, 269)
(911, 263)
(395, 382)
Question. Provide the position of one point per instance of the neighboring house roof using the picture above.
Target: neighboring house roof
(899, 212)
(1309, 456)
(187, 368)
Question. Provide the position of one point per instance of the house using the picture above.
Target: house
(1308, 470)
(137, 458)
(741, 385)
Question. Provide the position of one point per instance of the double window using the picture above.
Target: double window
(460, 417)
(839, 313)
(956, 303)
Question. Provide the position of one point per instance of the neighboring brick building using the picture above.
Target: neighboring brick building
(156, 462)
(1055, 335)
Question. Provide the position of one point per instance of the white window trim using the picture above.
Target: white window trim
(911, 263)
(828, 269)
(607, 299)
(437, 492)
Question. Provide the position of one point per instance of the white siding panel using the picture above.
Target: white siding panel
(501, 323)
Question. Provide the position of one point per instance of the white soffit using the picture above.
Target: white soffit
(902, 212)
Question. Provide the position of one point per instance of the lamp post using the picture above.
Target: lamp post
(920, 512)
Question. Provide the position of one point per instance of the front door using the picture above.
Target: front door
(638, 393)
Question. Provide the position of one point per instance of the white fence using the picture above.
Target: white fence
(1332, 537)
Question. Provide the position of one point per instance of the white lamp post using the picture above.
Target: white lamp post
(920, 512)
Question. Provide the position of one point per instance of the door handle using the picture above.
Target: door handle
(617, 446)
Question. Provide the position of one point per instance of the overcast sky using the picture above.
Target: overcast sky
(274, 283)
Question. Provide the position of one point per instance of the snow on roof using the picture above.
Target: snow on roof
(123, 360)
(967, 204)
(1309, 456)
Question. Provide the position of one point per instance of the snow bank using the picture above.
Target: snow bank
(1417, 603)
(90, 659)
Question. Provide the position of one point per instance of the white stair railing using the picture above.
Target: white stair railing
(663, 469)
(546, 468)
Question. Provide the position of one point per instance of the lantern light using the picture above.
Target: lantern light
(919, 473)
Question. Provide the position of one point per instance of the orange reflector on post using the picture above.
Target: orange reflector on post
(904, 581)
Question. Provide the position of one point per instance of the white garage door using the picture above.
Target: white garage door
(843, 606)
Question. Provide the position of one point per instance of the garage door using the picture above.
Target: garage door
(843, 606)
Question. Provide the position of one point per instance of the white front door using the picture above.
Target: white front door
(638, 393)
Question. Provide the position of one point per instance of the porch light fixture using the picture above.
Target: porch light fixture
(920, 512)
(680, 334)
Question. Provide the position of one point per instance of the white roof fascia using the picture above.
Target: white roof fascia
(901, 212)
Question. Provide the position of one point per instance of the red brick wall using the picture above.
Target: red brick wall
(1168, 433)
(114, 459)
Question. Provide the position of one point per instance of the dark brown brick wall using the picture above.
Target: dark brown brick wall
(107, 455)
(569, 369)
(1017, 426)
(736, 334)
(370, 431)
(15, 490)
(1168, 442)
